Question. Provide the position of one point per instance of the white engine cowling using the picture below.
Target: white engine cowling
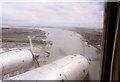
(14, 60)
(73, 67)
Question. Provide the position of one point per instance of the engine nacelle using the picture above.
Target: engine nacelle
(14, 60)
(73, 67)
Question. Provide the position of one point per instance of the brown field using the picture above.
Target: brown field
(92, 36)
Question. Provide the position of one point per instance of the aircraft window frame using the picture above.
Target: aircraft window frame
(110, 19)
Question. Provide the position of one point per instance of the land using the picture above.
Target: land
(92, 36)
(18, 37)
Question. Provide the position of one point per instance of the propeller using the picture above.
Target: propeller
(35, 52)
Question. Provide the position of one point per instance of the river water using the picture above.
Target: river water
(70, 43)
(65, 43)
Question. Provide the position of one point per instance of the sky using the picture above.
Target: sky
(61, 14)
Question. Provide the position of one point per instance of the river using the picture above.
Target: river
(70, 43)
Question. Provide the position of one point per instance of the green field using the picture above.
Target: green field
(21, 35)
(18, 37)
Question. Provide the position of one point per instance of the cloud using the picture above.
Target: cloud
(70, 14)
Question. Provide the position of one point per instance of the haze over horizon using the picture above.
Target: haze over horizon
(61, 14)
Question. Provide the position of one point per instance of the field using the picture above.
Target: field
(18, 37)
